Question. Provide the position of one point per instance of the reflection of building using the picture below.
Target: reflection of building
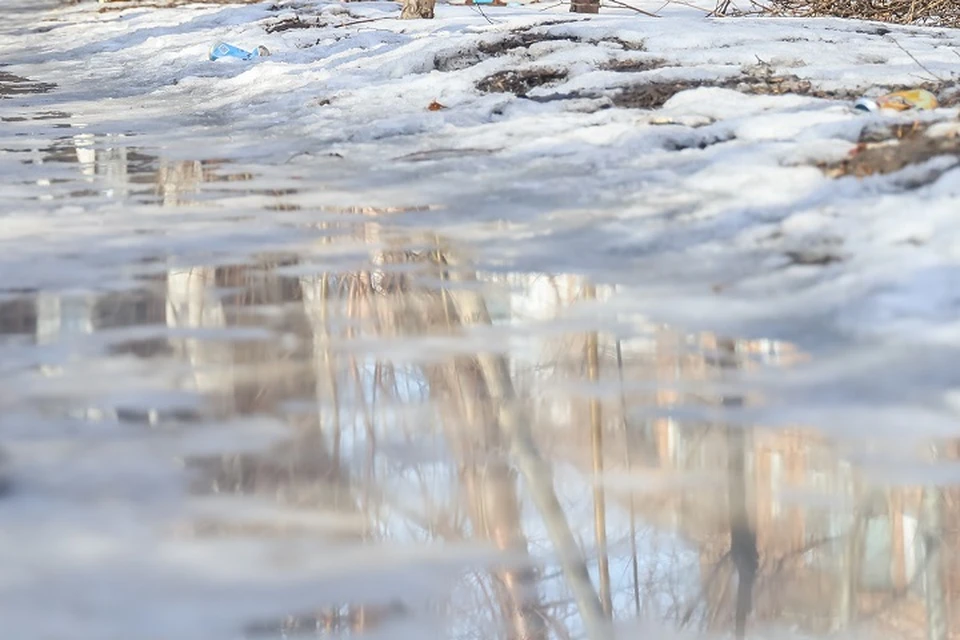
(18, 316)
(802, 499)
(49, 317)
(118, 170)
(244, 374)
(320, 348)
(800, 494)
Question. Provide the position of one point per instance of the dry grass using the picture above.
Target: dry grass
(943, 13)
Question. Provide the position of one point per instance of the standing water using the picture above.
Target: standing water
(262, 381)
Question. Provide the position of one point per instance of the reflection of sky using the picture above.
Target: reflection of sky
(414, 464)
(668, 567)
(417, 474)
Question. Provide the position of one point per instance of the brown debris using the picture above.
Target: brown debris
(291, 23)
(893, 149)
(519, 39)
(633, 66)
(812, 257)
(435, 106)
(943, 13)
(653, 95)
(519, 82)
(759, 79)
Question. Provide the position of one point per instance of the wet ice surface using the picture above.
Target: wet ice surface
(280, 368)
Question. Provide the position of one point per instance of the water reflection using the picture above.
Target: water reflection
(13, 85)
(432, 402)
(112, 166)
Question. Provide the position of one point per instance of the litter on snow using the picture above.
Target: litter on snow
(919, 99)
(224, 50)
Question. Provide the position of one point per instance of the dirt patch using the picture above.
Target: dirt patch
(526, 36)
(633, 66)
(288, 24)
(519, 82)
(697, 141)
(761, 79)
(774, 86)
(812, 258)
(513, 41)
(892, 149)
(758, 79)
(517, 39)
(653, 95)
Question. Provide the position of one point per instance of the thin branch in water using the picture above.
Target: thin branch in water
(599, 499)
(707, 584)
(633, 514)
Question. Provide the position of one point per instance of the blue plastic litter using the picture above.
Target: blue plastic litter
(224, 50)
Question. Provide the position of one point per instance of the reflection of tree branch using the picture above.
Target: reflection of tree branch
(932, 503)
(712, 615)
(707, 584)
(779, 563)
(634, 562)
(558, 628)
(515, 426)
(743, 539)
(596, 441)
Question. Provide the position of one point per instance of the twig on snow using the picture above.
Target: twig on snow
(689, 5)
(631, 7)
(720, 10)
(914, 58)
(485, 16)
(353, 22)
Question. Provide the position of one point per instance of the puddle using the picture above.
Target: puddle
(121, 169)
(424, 401)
